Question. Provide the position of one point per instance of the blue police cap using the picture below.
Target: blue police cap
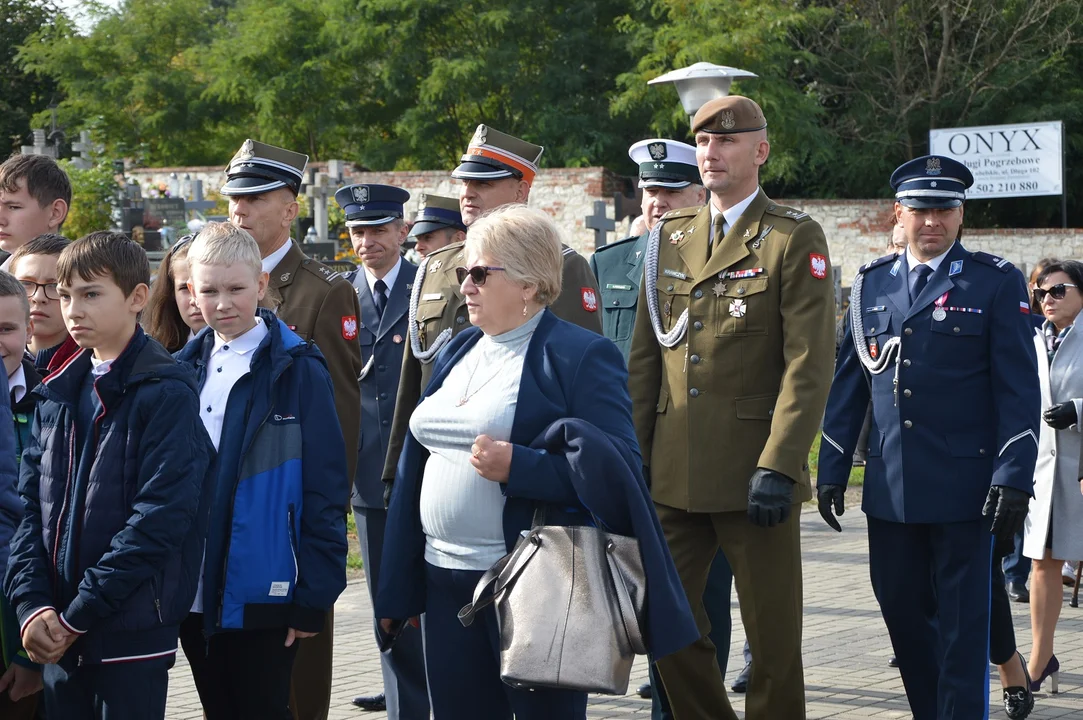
(932, 181)
(367, 204)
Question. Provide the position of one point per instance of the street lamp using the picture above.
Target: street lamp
(701, 82)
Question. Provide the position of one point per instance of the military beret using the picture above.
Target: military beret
(665, 163)
(492, 155)
(370, 204)
(729, 115)
(932, 181)
(435, 212)
(258, 168)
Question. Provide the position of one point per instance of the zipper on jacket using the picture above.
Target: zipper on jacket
(293, 545)
(157, 601)
(68, 490)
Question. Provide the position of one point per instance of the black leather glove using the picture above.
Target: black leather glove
(388, 485)
(1008, 507)
(828, 496)
(770, 495)
(647, 476)
(1061, 417)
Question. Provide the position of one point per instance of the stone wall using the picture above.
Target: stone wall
(857, 230)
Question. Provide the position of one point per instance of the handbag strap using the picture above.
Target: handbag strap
(624, 600)
(521, 555)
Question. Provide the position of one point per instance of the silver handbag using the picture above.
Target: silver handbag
(568, 603)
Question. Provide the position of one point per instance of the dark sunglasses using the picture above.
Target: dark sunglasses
(477, 274)
(1057, 292)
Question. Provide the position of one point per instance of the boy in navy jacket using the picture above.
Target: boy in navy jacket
(275, 557)
(114, 481)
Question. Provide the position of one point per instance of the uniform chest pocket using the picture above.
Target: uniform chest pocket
(742, 309)
(620, 313)
(672, 300)
(876, 323)
(429, 314)
(958, 324)
(365, 336)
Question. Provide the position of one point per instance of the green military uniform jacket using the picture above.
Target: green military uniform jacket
(321, 307)
(438, 313)
(619, 269)
(745, 385)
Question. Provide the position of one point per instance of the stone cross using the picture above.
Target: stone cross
(320, 187)
(40, 146)
(198, 202)
(600, 224)
(86, 150)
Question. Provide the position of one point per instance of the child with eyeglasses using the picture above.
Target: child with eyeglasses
(34, 265)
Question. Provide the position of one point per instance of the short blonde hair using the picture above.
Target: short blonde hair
(223, 243)
(526, 243)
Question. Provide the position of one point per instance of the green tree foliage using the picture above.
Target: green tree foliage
(94, 192)
(22, 92)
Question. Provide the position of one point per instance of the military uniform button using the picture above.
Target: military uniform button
(908, 424)
(697, 325)
(906, 393)
(955, 329)
(694, 392)
(694, 359)
(384, 423)
(460, 320)
(908, 331)
(906, 363)
(740, 291)
(698, 294)
(383, 396)
(669, 287)
(616, 302)
(381, 368)
(981, 451)
(872, 330)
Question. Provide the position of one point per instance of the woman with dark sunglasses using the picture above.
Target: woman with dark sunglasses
(490, 443)
(1054, 526)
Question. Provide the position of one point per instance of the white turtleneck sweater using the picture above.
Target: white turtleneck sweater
(461, 512)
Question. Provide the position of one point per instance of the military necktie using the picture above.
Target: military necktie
(718, 232)
(380, 297)
(919, 278)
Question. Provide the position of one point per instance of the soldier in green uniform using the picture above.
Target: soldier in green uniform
(438, 223)
(731, 363)
(262, 185)
(497, 169)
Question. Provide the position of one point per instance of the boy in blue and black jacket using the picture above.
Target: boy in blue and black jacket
(276, 549)
(115, 486)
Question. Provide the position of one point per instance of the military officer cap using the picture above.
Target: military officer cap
(259, 168)
(665, 163)
(435, 212)
(932, 181)
(369, 204)
(492, 155)
(729, 115)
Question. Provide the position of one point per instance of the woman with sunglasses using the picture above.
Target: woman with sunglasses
(1054, 526)
(171, 317)
(482, 456)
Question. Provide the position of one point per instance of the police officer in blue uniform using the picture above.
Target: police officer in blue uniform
(669, 178)
(374, 218)
(940, 342)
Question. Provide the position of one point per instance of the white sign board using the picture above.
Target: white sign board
(1007, 160)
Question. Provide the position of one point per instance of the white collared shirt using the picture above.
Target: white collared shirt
(271, 261)
(389, 279)
(731, 215)
(912, 262)
(228, 363)
(17, 383)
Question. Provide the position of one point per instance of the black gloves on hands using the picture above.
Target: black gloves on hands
(828, 496)
(1008, 507)
(770, 495)
(1061, 417)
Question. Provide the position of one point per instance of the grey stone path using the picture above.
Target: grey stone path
(845, 646)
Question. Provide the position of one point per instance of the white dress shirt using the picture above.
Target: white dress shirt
(17, 384)
(912, 262)
(271, 261)
(730, 215)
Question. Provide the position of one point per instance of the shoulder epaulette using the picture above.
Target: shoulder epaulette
(682, 212)
(320, 270)
(1001, 264)
(878, 262)
(617, 243)
(568, 251)
(787, 212)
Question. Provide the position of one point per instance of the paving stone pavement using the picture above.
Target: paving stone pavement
(846, 646)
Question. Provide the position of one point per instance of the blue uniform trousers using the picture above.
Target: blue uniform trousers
(1016, 565)
(403, 667)
(716, 601)
(464, 662)
(110, 691)
(933, 585)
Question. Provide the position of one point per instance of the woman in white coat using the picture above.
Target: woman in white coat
(1054, 526)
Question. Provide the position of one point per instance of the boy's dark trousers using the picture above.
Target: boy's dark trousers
(240, 674)
(108, 691)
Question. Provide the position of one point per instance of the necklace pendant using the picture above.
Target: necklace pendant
(462, 401)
